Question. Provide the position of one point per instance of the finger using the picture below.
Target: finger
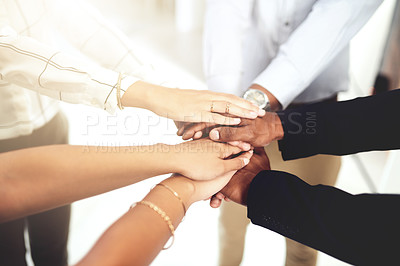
(228, 134)
(196, 127)
(183, 126)
(220, 196)
(224, 107)
(181, 130)
(238, 162)
(221, 119)
(228, 150)
(198, 135)
(242, 145)
(215, 202)
(200, 126)
(242, 103)
(188, 135)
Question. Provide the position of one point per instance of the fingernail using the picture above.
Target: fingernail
(214, 134)
(251, 151)
(261, 112)
(246, 161)
(236, 120)
(198, 134)
(253, 114)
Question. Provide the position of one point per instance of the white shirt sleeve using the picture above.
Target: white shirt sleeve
(224, 23)
(89, 32)
(328, 28)
(33, 65)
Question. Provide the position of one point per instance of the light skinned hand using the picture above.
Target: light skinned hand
(199, 190)
(205, 159)
(237, 188)
(190, 105)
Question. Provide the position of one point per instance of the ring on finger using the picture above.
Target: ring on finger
(227, 108)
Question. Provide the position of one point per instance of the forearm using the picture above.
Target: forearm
(138, 236)
(313, 45)
(358, 229)
(37, 179)
(341, 128)
(39, 67)
(148, 96)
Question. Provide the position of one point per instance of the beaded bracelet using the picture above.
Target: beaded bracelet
(162, 214)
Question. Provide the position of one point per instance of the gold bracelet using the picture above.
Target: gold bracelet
(163, 215)
(176, 195)
(118, 86)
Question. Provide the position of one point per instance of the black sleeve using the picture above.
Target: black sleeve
(362, 124)
(359, 229)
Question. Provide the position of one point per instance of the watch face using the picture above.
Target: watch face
(257, 97)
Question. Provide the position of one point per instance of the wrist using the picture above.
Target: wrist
(183, 186)
(275, 105)
(142, 95)
(278, 128)
(176, 158)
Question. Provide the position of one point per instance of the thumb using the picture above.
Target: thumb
(225, 134)
(215, 202)
(238, 162)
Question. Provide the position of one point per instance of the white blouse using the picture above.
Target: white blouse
(33, 37)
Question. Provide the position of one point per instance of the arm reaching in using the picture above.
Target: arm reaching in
(358, 229)
(38, 179)
(237, 188)
(347, 127)
(322, 217)
(138, 236)
(36, 66)
(190, 105)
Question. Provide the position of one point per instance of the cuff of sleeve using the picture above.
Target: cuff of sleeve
(103, 89)
(283, 80)
(300, 129)
(271, 202)
(227, 83)
(260, 194)
(252, 193)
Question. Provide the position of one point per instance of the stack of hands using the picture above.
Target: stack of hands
(241, 143)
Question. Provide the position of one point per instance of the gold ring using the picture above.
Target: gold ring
(212, 107)
(227, 108)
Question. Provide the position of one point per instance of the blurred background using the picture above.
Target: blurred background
(168, 34)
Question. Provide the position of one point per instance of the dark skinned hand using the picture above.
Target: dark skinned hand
(237, 188)
(258, 132)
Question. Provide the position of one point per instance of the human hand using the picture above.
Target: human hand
(237, 188)
(190, 105)
(210, 107)
(204, 159)
(258, 132)
(190, 130)
(192, 190)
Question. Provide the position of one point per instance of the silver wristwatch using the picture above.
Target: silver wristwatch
(259, 98)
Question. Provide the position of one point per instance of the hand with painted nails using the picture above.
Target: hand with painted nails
(237, 188)
(190, 105)
(205, 159)
(257, 132)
